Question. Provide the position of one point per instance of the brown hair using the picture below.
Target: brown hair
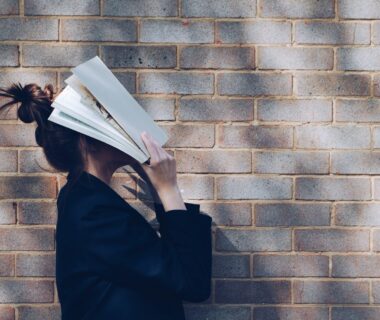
(62, 147)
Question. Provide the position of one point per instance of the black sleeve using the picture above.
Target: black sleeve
(125, 250)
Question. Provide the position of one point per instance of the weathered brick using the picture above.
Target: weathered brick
(35, 265)
(291, 313)
(219, 109)
(7, 113)
(302, 110)
(362, 59)
(292, 214)
(342, 292)
(353, 9)
(57, 55)
(376, 240)
(376, 86)
(332, 136)
(258, 84)
(196, 186)
(59, 7)
(24, 77)
(139, 8)
(17, 135)
(376, 291)
(377, 188)
(99, 30)
(178, 82)
(9, 55)
(242, 291)
(358, 110)
(376, 32)
(290, 266)
(217, 57)
(230, 266)
(215, 161)
(28, 29)
(332, 85)
(34, 161)
(158, 108)
(376, 134)
(332, 33)
(26, 238)
(9, 7)
(7, 266)
(8, 160)
(31, 212)
(182, 135)
(176, 31)
(336, 240)
(364, 313)
(140, 56)
(357, 214)
(355, 266)
(229, 213)
(251, 187)
(31, 312)
(297, 8)
(219, 8)
(259, 32)
(291, 162)
(8, 212)
(295, 58)
(237, 240)
(355, 162)
(194, 312)
(24, 291)
(27, 187)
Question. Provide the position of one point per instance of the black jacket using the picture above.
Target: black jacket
(112, 264)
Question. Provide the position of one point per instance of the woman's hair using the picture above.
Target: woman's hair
(64, 149)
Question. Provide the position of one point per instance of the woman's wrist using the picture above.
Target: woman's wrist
(171, 198)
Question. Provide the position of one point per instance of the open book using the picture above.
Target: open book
(96, 104)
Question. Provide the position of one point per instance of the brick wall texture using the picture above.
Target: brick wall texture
(273, 113)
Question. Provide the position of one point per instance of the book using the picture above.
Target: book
(96, 104)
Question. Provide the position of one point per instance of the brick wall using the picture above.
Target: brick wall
(272, 108)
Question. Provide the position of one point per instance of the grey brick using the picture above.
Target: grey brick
(26, 239)
(217, 57)
(355, 266)
(34, 161)
(316, 110)
(8, 160)
(219, 8)
(376, 240)
(345, 313)
(257, 292)
(291, 313)
(230, 266)
(140, 56)
(255, 136)
(258, 84)
(9, 7)
(297, 8)
(237, 240)
(354, 9)
(182, 135)
(61, 7)
(33, 265)
(9, 55)
(290, 266)
(251, 187)
(260, 32)
(25, 77)
(176, 31)
(57, 55)
(333, 85)
(376, 32)
(358, 110)
(196, 186)
(8, 212)
(158, 108)
(229, 214)
(17, 135)
(333, 188)
(376, 291)
(295, 58)
(178, 82)
(23, 291)
(362, 59)
(337, 292)
(377, 188)
(355, 162)
(7, 266)
(28, 29)
(292, 214)
(332, 33)
(99, 30)
(357, 214)
(219, 109)
(333, 137)
(336, 240)
(162, 8)
(376, 137)
(214, 312)
(37, 212)
(376, 86)
(49, 312)
(291, 162)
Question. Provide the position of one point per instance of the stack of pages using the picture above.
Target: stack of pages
(96, 104)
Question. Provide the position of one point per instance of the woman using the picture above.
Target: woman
(110, 262)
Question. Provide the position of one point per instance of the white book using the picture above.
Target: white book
(96, 104)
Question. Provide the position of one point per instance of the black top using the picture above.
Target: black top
(112, 264)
